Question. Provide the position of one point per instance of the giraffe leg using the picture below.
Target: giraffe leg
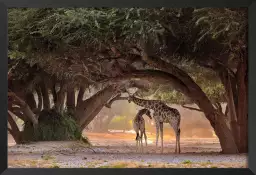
(157, 132)
(137, 139)
(161, 133)
(177, 130)
(176, 143)
(145, 137)
(176, 136)
(179, 140)
(141, 135)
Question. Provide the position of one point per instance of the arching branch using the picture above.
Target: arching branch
(117, 97)
(191, 108)
(25, 108)
(151, 75)
(18, 112)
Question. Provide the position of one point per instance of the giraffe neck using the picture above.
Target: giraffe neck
(140, 113)
(138, 116)
(143, 103)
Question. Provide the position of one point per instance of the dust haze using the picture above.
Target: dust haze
(193, 123)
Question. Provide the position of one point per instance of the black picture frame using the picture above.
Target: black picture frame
(5, 4)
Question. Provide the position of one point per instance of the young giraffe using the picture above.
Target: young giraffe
(162, 114)
(139, 126)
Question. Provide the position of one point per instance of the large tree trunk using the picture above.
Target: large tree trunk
(88, 109)
(40, 99)
(224, 134)
(45, 95)
(237, 94)
(54, 93)
(30, 100)
(71, 100)
(242, 114)
(14, 130)
(80, 95)
(61, 98)
(230, 89)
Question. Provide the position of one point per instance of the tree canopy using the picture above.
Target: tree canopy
(198, 54)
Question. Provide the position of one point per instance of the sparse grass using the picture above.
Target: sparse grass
(47, 157)
(30, 163)
(206, 163)
(41, 163)
(93, 164)
(187, 162)
(215, 167)
(120, 165)
(78, 145)
(55, 166)
(104, 166)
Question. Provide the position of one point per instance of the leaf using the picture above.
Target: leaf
(202, 19)
(203, 36)
(127, 16)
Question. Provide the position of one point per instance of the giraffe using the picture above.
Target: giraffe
(162, 114)
(139, 126)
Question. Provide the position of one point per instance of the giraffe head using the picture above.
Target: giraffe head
(130, 98)
(148, 114)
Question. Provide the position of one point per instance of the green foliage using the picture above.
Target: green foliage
(227, 24)
(171, 97)
(188, 32)
(53, 126)
(214, 91)
(34, 29)
(63, 29)
(207, 79)
(187, 162)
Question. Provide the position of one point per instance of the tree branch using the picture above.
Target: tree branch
(10, 130)
(25, 108)
(18, 112)
(12, 123)
(191, 108)
(194, 91)
(151, 75)
(40, 98)
(117, 97)
(80, 95)
(218, 107)
(226, 111)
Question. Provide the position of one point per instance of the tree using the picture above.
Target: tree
(229, 26)
(121, 45)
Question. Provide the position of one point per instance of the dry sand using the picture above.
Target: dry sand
(119, 150)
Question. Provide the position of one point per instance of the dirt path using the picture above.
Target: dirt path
(119, 150)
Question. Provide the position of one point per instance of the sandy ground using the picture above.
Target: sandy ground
(118, 150)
